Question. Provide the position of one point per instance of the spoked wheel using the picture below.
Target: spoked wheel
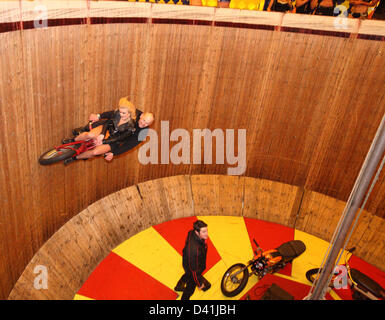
(53, 156)
(234, 280)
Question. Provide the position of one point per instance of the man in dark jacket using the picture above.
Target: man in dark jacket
(194, 261)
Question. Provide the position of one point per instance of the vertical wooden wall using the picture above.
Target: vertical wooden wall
(310, 103)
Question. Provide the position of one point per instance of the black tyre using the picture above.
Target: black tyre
(234, 280)
(359, 296)
(312, 274)
(53, 156)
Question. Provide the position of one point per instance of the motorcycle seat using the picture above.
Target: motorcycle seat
(367, 283)
(291, 249)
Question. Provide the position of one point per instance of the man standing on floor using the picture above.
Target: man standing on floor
(194, 261)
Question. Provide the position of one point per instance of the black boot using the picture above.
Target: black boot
(181, 285)
(80, 130)
(207, 284)
(67, 140)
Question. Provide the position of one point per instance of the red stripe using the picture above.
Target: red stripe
(196, 279)
(189, 255)
(196, 266)
(117, 279)
(189, 258)
(175, 233)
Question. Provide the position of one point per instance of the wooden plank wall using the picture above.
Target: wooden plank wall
(310, 103)
(82, 243)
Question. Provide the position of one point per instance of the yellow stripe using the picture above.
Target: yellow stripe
(230, 238)
(334, 295)
(214, 276)
(313, 256)
(151, 253)
(80, 297)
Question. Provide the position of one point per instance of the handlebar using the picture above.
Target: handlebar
(258, 247)
(351, 249)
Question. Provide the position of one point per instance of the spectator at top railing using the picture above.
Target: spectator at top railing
(359, 8)
(280, 5)
(363, 9)
(323, 7)
(302, 6)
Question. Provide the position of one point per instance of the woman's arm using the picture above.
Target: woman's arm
(130, 131)
(104, 115)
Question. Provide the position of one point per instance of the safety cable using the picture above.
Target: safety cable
(336, 231)
(372, 158)
(326, 253)
(351, 231)
(362, 207)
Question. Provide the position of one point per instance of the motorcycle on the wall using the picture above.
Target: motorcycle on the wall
(66, 150)
(236, 277)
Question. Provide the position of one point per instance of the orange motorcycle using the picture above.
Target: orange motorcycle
(235, 278)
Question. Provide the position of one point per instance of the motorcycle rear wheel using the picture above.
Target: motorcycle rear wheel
(234, 280)
(53, 156)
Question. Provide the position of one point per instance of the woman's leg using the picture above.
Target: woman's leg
(90, 135)
(97, 151)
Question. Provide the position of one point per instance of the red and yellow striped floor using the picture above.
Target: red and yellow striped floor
(148, 265)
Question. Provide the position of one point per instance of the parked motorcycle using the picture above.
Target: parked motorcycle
(236, 277)
(361, 286)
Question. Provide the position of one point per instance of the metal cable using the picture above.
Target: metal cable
(379, 137)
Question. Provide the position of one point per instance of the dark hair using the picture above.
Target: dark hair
(198, 225)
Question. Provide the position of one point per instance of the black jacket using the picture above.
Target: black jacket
(194, 256)
(117, 133)
(128, 139)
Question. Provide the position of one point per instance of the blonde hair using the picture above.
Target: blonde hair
(125, 103)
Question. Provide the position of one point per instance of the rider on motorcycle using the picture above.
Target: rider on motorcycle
(123, 126)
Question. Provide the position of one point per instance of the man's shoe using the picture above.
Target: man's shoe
(207, 284)
(206, 287)
(180, 287)
(182, 284)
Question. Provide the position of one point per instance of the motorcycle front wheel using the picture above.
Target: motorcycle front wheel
(311, 274)
(234, 280)
(53, 156)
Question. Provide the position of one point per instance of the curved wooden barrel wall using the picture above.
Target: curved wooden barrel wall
(73, 252)
(310, 96)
